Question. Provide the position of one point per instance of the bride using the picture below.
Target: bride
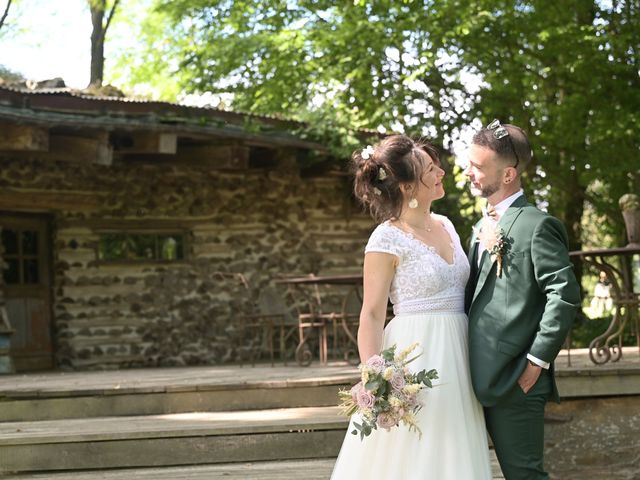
(414, 258)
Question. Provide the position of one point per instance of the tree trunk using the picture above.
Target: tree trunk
(573, 210)
(98, 35)
(97, 42)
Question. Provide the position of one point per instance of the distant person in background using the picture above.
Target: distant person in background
(601, 301)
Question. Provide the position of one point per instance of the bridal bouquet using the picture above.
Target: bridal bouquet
(387, 393)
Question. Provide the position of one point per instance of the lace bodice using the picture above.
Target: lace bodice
(423, 281)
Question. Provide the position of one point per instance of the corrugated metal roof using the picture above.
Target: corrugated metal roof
(57, 107)
(126, 101)
(76, 108)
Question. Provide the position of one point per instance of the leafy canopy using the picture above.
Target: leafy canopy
(567, 72)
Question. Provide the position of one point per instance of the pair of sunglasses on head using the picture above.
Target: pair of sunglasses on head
(499, 131)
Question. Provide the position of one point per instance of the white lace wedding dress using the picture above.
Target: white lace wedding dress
(428, 302)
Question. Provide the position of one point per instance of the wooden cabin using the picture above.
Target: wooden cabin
(125, 222)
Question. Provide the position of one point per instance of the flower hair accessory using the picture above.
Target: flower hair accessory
(377, 191)
(382, 173)
(367, 152)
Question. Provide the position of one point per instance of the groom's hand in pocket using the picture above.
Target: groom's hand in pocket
(529, 377)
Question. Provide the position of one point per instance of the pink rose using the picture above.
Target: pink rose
(386, 421)
(365, 398)
(376, 363)
(411, 400)
(397, 380)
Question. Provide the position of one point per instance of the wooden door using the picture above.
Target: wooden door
(27, 289)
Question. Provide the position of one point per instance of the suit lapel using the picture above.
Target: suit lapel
(486, 265)
(506, 222)
(473, 260)
(473, 252)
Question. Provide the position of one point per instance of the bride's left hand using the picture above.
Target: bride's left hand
(529, 377)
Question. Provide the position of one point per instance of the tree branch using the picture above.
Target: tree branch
(6, 12)
(110, 17)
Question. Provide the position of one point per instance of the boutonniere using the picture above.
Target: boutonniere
(492, 239)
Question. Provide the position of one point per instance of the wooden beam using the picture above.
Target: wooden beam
(41, 201)
(146, 142)
(81, 149)
(228, 157)
(23, 138)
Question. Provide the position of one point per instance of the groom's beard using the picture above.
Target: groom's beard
(486, 191)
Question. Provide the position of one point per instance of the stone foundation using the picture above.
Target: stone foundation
(593, 438)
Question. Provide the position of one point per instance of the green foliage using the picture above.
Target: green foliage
(389, 354)
(9, 75)
(132, 246)
(586, 329)
(427, 377)
(458, 203)
(149, 66)
(568, 73)
(333, 129)
(565, 71)
(379, 64)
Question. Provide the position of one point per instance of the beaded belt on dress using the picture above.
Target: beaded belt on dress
(448, 304)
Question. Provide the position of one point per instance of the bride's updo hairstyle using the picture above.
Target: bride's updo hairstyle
(380, 169)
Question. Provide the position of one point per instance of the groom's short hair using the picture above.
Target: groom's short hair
(504, 147)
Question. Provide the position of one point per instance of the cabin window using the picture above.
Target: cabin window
(21, 256)
(141, 247)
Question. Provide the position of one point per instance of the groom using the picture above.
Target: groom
(521, 299)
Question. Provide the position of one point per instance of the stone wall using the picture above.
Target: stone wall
(258, 223)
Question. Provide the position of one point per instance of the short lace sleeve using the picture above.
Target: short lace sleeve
(382, 240)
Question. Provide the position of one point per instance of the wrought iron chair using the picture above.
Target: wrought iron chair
(307, 303)
(243, 337)
(324, 310)
(350, 320)
(268, 318)
(273, 312)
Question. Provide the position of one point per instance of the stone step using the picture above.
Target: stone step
(56, 396)
(169, 440)
(316, 469)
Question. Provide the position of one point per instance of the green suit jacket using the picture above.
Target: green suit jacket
(529, 308)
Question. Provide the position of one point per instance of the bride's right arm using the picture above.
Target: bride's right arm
(379, 269)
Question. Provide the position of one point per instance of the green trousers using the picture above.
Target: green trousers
(516, 426)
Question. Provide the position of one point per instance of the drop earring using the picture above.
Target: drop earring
(413, 203)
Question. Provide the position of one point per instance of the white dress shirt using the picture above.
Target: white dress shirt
(501, 209)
